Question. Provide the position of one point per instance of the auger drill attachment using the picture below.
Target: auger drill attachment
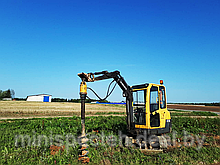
(83, 152)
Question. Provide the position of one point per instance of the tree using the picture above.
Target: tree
(10, 93)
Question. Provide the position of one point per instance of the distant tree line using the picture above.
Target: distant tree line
(10, 93)
(20, 99)
(206, 104)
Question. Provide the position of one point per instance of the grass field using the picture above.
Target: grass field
(12, 152)
(40, 109)
(25, 109)
(40, 151)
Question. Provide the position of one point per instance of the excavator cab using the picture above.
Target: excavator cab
(149, 109)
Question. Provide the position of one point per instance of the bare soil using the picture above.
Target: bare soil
(194, 107)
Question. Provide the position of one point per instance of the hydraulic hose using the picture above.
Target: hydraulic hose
(107, 93)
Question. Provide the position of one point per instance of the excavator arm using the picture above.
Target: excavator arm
(97, 76)
(90, 77)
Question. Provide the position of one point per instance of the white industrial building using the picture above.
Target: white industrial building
(7, 99)
(40, 98)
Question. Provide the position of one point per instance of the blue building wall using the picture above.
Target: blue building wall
(46, 98)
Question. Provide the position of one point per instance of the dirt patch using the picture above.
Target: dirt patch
(194, 107)
(56, 149)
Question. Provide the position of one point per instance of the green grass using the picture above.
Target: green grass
(9, 154)
(200, 113)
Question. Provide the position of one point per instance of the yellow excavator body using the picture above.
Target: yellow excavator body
(146, 110)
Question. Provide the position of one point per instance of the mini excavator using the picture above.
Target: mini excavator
(146, 107)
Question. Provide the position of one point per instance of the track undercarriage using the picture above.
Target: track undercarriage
(153, 143)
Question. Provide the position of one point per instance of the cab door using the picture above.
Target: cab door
(154, 107)
(162, 106)
(139, 107)
(157, 106)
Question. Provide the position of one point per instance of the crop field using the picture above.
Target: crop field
(55, 140)
(194, 107)
(22, 109)
(40, 109)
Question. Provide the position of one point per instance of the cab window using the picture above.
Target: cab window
(162, 98)
(139, 110)
(154, 101)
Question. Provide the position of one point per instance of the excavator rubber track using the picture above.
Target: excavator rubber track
(148, 146)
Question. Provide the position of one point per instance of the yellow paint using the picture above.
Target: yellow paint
(139, 89)
(83, 88)
(163, 113)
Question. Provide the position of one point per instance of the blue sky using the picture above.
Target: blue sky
(45, 43)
